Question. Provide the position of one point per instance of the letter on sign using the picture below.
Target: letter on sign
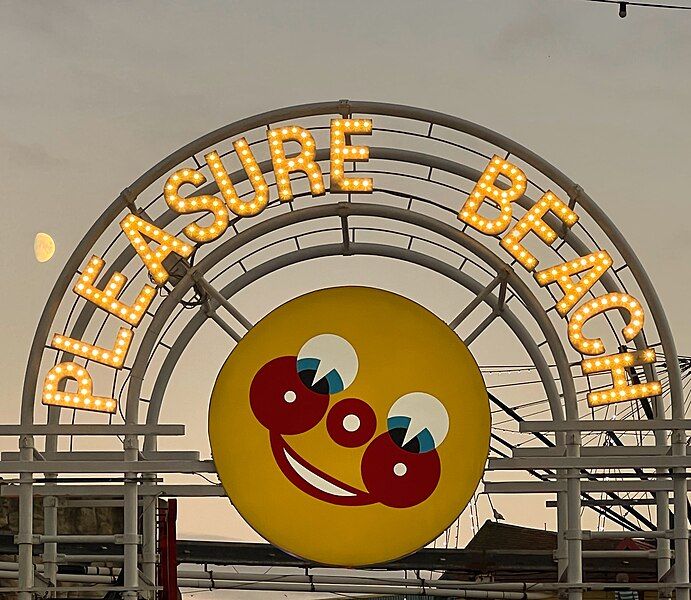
(304, 161)
(599, 305)
(135, 228)
(340, 128)
(532, 221)
(195, 204)
(486, 188)
(113, 357)
(237, 205)
(595, 264)
(617, 364)
(107, 298)
(83, 398)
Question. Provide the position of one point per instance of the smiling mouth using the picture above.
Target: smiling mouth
(313, 481)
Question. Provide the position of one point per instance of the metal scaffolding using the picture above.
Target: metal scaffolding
(421, 176)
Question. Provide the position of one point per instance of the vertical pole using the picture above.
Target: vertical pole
(681, 522)
(663, 545)
(562, 527)
(26, 520)
(131, 517)
(162, 580)
(562, 521)
(574, 533)
(149, 540)
(680, 486)
(172, 568)
(50, 549)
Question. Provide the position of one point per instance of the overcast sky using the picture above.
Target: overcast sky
(94, 93)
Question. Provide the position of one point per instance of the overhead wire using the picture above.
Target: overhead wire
(642, 4)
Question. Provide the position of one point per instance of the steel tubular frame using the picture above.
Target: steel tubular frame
(138, 462)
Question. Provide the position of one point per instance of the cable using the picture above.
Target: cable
(644, 4)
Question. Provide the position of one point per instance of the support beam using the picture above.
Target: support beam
(574, 572)
(213, 315)
(605, 425)
(591, 462)
(217, 297)
(26, 519)
(486, 322)
(50, 549)
(475, 302)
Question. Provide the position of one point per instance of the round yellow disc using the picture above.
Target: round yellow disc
(350, 426)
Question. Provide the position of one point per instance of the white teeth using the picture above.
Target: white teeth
(315, 480)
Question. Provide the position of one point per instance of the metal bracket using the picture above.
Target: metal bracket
(344, 108)
(573, 200)
(121, 539)
(130, 443)
(50, 502)
(129, 199)
(26, 441)
(27, 538)
(343, 211)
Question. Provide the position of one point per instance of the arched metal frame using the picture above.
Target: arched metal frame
(402, 203)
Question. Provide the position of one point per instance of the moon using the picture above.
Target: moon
(44, 247)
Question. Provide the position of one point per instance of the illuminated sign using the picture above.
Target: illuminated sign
(350, 426)
(574, 278)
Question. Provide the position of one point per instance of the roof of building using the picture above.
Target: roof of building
(502, 536)
(503, 552)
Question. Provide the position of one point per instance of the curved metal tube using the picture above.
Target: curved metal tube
(392, 154)
(314, 252)
(306, 214)
(345, 107)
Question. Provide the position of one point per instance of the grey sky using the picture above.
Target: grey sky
(94, 93)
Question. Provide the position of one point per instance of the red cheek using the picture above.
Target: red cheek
(281, 402)
(396, 477)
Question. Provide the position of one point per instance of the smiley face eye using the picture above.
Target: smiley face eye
(327, 364)
(418, 422)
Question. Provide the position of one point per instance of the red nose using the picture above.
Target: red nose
(351, 422)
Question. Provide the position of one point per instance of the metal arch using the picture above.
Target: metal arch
(380, 153)
(419, 158)
(334, 210)
(348, 107)
(314, 252)
(128, 196)
(386, 153)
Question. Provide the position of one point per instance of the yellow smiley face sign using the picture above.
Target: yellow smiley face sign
(350, 426)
